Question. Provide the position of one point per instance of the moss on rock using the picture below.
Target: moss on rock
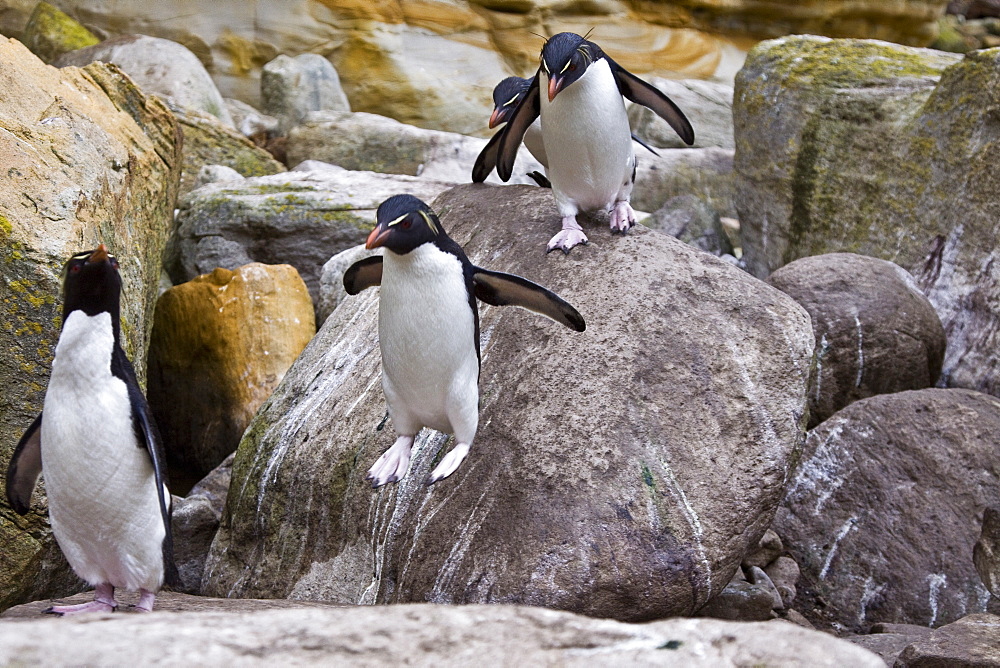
(51, 32)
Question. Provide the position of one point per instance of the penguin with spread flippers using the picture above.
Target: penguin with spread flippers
(585, 131)
(506, 96)
(99, 449)
(428, 325)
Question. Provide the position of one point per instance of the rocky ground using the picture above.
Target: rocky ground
(774, 444)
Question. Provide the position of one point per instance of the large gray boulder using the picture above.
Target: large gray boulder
(249, 632)
(87, 158)
(160, 67)
(875, 331)
(881, 150)
(885, 507)
(292, 87)
(971, 641)
(622, 472)
(296, 218)
(706, 173)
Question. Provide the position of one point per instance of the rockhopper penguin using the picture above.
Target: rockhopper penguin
(428, 326)
(585, 132)
(100, 450)
(506, 96)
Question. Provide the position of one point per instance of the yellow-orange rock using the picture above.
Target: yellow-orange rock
(220, 345)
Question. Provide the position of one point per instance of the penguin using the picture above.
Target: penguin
(428, 326)
(585, 132)
(99, 449)
(506, 96)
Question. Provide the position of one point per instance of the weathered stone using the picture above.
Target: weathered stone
(971, 641)
(292, 87)
(652, 520)
(193, 524)
(51, 33)
(879, 150)
(251, 122)
(331, 281)
(875, 331)
(216, 174)
(87, 158)
(889, 640)
(784, 573)
(215, 486)
(881, 514)
(209, 141)
(706, 173)
(707, 104)
(741, 601)
(240, 632)
(296, 218)
(768, 549)
(361, 141)
(160, 67)
(759, 578)
(986, 553)
(689, 219)
(220, 345)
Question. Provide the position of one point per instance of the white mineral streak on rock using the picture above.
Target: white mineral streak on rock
(935, 581)
(861, 351)
(871, 592)
(844, 530)
(822, 473)
(454, 559)
(701, 594)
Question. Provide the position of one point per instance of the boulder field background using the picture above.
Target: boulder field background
(782, 415)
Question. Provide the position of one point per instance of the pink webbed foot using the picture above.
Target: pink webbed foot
(570, 235)
(449, 463)
(393, 464)
(146, 599)
(104, 601)
(622, 217)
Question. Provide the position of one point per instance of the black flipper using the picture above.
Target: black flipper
(363, 274)
(499, 289)
(25, 467)
(647, 95)
(486, 161)
(540, 179)
(148, 436)
(513, 133)
(644, 144)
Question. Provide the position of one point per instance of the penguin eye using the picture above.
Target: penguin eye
(114, 263)
(572, 67)
(75, 269)
(406, 224)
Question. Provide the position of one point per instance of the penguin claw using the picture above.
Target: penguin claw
(449, 464)
(392, 465)
(566, 240)
(622, 218)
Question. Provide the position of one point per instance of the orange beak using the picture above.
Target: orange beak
(99, 255)
(555, 85)
(376, 239)
(496, 118)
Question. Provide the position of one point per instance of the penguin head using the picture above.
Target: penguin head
(403, 223)
(565, 58)
(506, 96)
(92, 283)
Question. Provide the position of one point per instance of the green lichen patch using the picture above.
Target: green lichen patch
(51, 33)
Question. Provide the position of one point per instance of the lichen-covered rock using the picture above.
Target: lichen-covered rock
(220, 345)
(880, 150)
(241, 631)
(292, 87)
(707, 104)
(368, 142)
(87, 158)
(619, 472)
(297, 218)
(883, 511)
(875, 331)
(51, 33)
(209, 141)
(159, 66)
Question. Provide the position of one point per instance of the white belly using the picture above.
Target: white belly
(535, 143)
(101, 487)
(430, 370)
(587, 141)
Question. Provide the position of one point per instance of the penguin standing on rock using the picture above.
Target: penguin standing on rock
(100, 450)
(585, 132)
(428, 325)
